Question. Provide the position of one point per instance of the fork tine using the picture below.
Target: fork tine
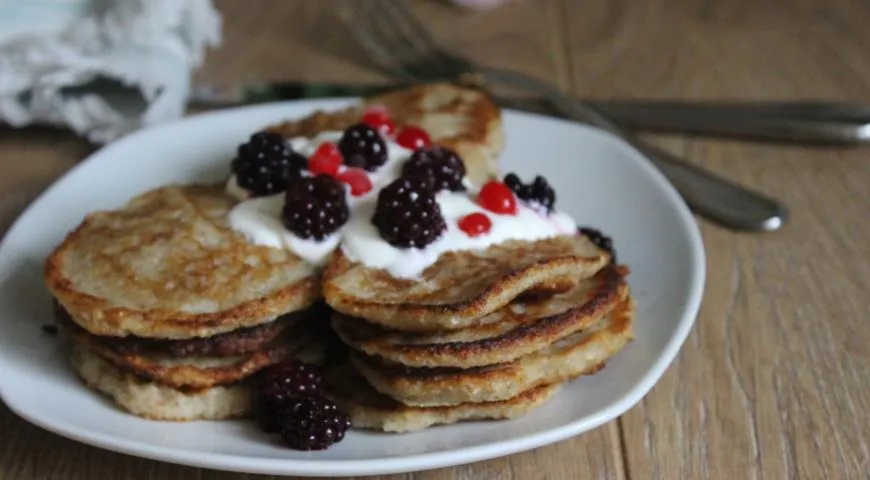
(380, 36)
(394, 34)
(428, 56)
(417, 30)
(398, 21)
(357, 16)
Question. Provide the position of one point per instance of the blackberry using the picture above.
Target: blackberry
(444, 164)
(313, 423)
(289, 379)
(362, 146)
(264, 165)
(315, 207)
(278, 386)
(407, 214)
(539, 192)
(269, 413)
(600, 240)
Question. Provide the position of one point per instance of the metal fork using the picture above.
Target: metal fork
(401, 45)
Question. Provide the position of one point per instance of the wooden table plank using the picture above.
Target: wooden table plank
(299, 40)
(773, 382)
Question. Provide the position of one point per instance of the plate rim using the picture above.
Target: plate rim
(406, 463)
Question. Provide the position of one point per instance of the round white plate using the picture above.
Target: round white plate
(598, 179)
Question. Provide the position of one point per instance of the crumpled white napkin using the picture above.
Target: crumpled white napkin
(100, 67)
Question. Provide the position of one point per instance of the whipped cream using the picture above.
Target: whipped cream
(234, 190)
(259, 219)
(363, 243)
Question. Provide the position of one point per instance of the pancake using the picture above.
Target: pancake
(167, 265)
(463, 119)
(236, 342)
(578, 354)
(198, 372)
(521, 328)
(371, 410)
(461, 287)
(155, 401)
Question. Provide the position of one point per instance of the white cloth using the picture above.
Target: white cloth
(100, 67)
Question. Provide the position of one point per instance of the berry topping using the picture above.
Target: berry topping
(444, 164)
(407, 214)
(358, 179)
(326, 159)
(600, 240)
(264, 165)
(379, 119)
(315, 207)
(496, 197)
(288, 379)
(268, 414)
(363, 147)
(280, 384)
(413, 138)
(475, 224)
(313, 423)
(537, 193)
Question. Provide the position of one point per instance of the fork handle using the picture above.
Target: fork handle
(743, 122)
(819, 111)
(705, 193)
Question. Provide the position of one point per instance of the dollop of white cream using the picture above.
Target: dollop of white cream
(259, 218)
(363, 243)
(234, 190)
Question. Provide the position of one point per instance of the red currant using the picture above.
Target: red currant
(326, 159)
(358, 179)
(475, 224)
(413, 138)
(497, 197)
(379, 119)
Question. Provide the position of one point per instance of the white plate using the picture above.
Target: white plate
(599, 180)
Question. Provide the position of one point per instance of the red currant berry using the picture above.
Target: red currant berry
(359, 181)
(413, 138)
(379, 119)
(496, 197)
(326, 159)
(475, 224)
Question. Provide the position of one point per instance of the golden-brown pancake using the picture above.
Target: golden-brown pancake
(461, 287)
(463, 119)
(156, 401)
(581, 353)
(167, 265)
(521, 328)
(371, 410)
(200, 371)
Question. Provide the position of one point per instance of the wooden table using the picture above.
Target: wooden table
(774, 381)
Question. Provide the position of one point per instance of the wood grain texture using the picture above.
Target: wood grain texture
(773, 382)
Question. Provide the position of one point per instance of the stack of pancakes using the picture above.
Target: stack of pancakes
(170, 312)
(485, 334)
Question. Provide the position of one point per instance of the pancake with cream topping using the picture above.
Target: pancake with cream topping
(462, 287)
